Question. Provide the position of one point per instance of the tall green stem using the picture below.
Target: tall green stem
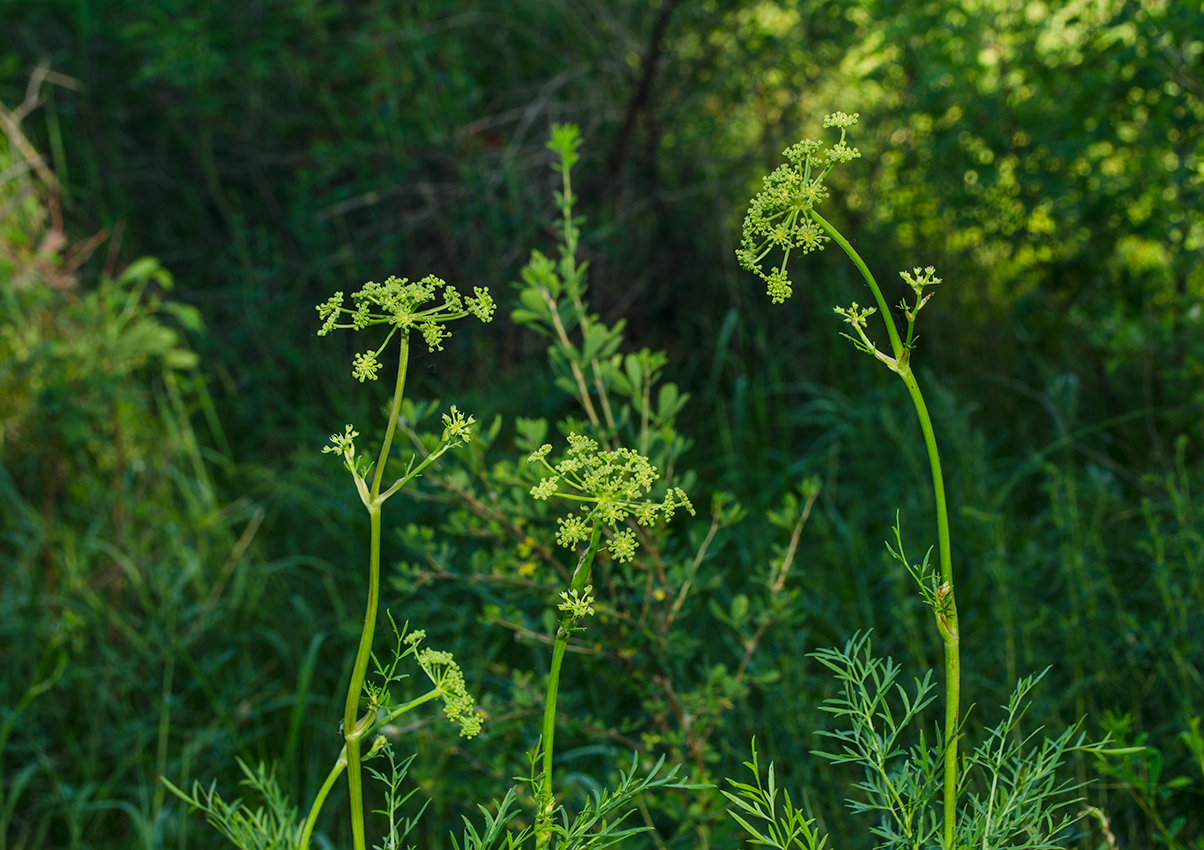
(351, 728)
(946, 611)
(946, 608)
(394, 412)
(546, 798)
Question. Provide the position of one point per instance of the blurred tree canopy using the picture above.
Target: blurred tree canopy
(267, 151)
(1046, 156)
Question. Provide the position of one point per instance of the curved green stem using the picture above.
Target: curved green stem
(896, 344)
(414, 473)
(546, 799)
(938, 480)
(946, 608)
(946, 611)
(351, 726)
(331, 778)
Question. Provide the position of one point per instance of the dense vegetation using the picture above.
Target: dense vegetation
(181, 567)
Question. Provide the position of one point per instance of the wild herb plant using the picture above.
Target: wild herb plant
(1131, 650)
(403, 306)
(615, 390)
(610, 488)
(1009, 783)
(612, 484)
(425, 307)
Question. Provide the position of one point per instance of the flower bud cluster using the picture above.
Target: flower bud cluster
(343, 445)
(402, 305)
(443, 671)
(578, 605)
(457, 429)
(779, 217)
(614, 482)
(917, 279)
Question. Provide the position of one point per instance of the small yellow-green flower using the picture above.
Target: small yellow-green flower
(578, 605)
(622, 545)
(457, 429)
(573, 529)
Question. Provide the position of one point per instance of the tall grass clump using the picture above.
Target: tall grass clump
(119, 558)
(1007, 790)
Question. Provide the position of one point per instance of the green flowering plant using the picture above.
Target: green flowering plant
(612, 483)
(457, 430)
(380, 711)
(1020, 795)
(426, 307)
(638, 622)
(402, 305)
(276, 825)
(636, 619)
(440, 668)
(782, 215)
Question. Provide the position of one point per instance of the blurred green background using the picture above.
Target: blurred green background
(181, 576)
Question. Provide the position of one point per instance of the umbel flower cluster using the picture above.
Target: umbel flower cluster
(614, 483)
(780, 215)
(445, 674)
(402, 304)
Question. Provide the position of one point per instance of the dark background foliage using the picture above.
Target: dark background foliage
(180, 581)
